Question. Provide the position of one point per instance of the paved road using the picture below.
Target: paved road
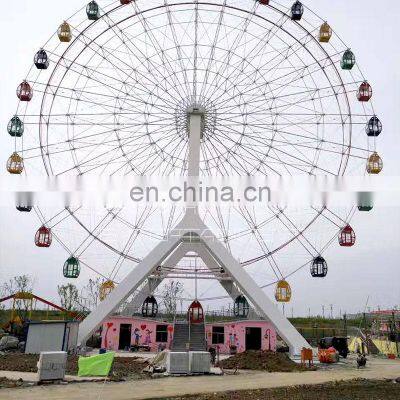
(140, 390)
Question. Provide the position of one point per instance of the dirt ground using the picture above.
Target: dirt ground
(123, 367)
(354, 390)
(262, 361)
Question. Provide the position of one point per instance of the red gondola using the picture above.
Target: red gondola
(43, 237)
(347, 237)
(123, 2)
(24, 91)
(196, 313)
(266, 2)
(364, 92)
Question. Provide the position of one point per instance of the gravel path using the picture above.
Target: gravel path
(164, 388)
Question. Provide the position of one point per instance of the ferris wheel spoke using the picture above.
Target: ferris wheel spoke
(249, 154)
(92, 73)
(235, 42)
(212, 50)
(269, 71)
(153, 39)
(178, 47)
(95, 232)
(125, 39)
(260, 240)
(297, 232)
(108, 55)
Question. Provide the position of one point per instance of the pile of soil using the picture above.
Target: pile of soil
(262, 361)
(9, 384)
(353, 390)
(123, 367)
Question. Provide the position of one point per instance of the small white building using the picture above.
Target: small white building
(48, 336)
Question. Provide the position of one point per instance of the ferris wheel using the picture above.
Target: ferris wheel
(281, 94)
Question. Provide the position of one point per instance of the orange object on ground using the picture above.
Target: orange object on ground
(307, 356)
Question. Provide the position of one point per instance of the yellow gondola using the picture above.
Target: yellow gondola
(64, 32)
(283, 292)
(15, 164)
(374, 164)
(105, 289)
(325, 33)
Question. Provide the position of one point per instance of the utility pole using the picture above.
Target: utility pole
(331, 311)
(323, 311)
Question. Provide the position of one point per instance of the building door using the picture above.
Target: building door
(125, 332)
(253, 338)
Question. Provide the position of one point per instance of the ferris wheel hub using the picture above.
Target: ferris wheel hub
(204, 108)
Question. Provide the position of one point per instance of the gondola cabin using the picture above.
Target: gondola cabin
(65, 33)
(43, 237)
(283, 292)
(15, 164)
(71, 269)
(319, 267)
(348, 60)
(297, 11)
(325, 33)
(41, 60)
(265, 2)
(374, 164)
(241, 307)
(15, 127)
(347, 237)
(365, 208)
(24, 209)
(105, 289)
(365, 202)
(123, 2)
(374, 127)
(24, 91)
(196, 313)
(93, 11)
(150, 307)
(364, 93)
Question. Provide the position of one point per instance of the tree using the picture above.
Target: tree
(91, 293)
(170, 292)
(19, 284)
(69, 296)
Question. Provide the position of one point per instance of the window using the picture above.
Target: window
(162, 334)
(218, 335)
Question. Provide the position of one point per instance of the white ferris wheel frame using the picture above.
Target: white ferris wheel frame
(199, 239)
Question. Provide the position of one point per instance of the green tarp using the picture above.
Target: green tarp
(99, 365)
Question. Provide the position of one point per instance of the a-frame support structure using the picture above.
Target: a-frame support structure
(192, 230)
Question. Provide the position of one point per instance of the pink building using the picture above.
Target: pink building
(119, 333)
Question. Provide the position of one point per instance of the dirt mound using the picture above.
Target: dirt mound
(123, 367)
(261, 361)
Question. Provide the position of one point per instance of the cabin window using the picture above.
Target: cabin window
(162, 334)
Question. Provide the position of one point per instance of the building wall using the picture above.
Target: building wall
(144, 330)
(235, 333)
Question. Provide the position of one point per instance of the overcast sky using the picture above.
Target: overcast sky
(370, 269)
